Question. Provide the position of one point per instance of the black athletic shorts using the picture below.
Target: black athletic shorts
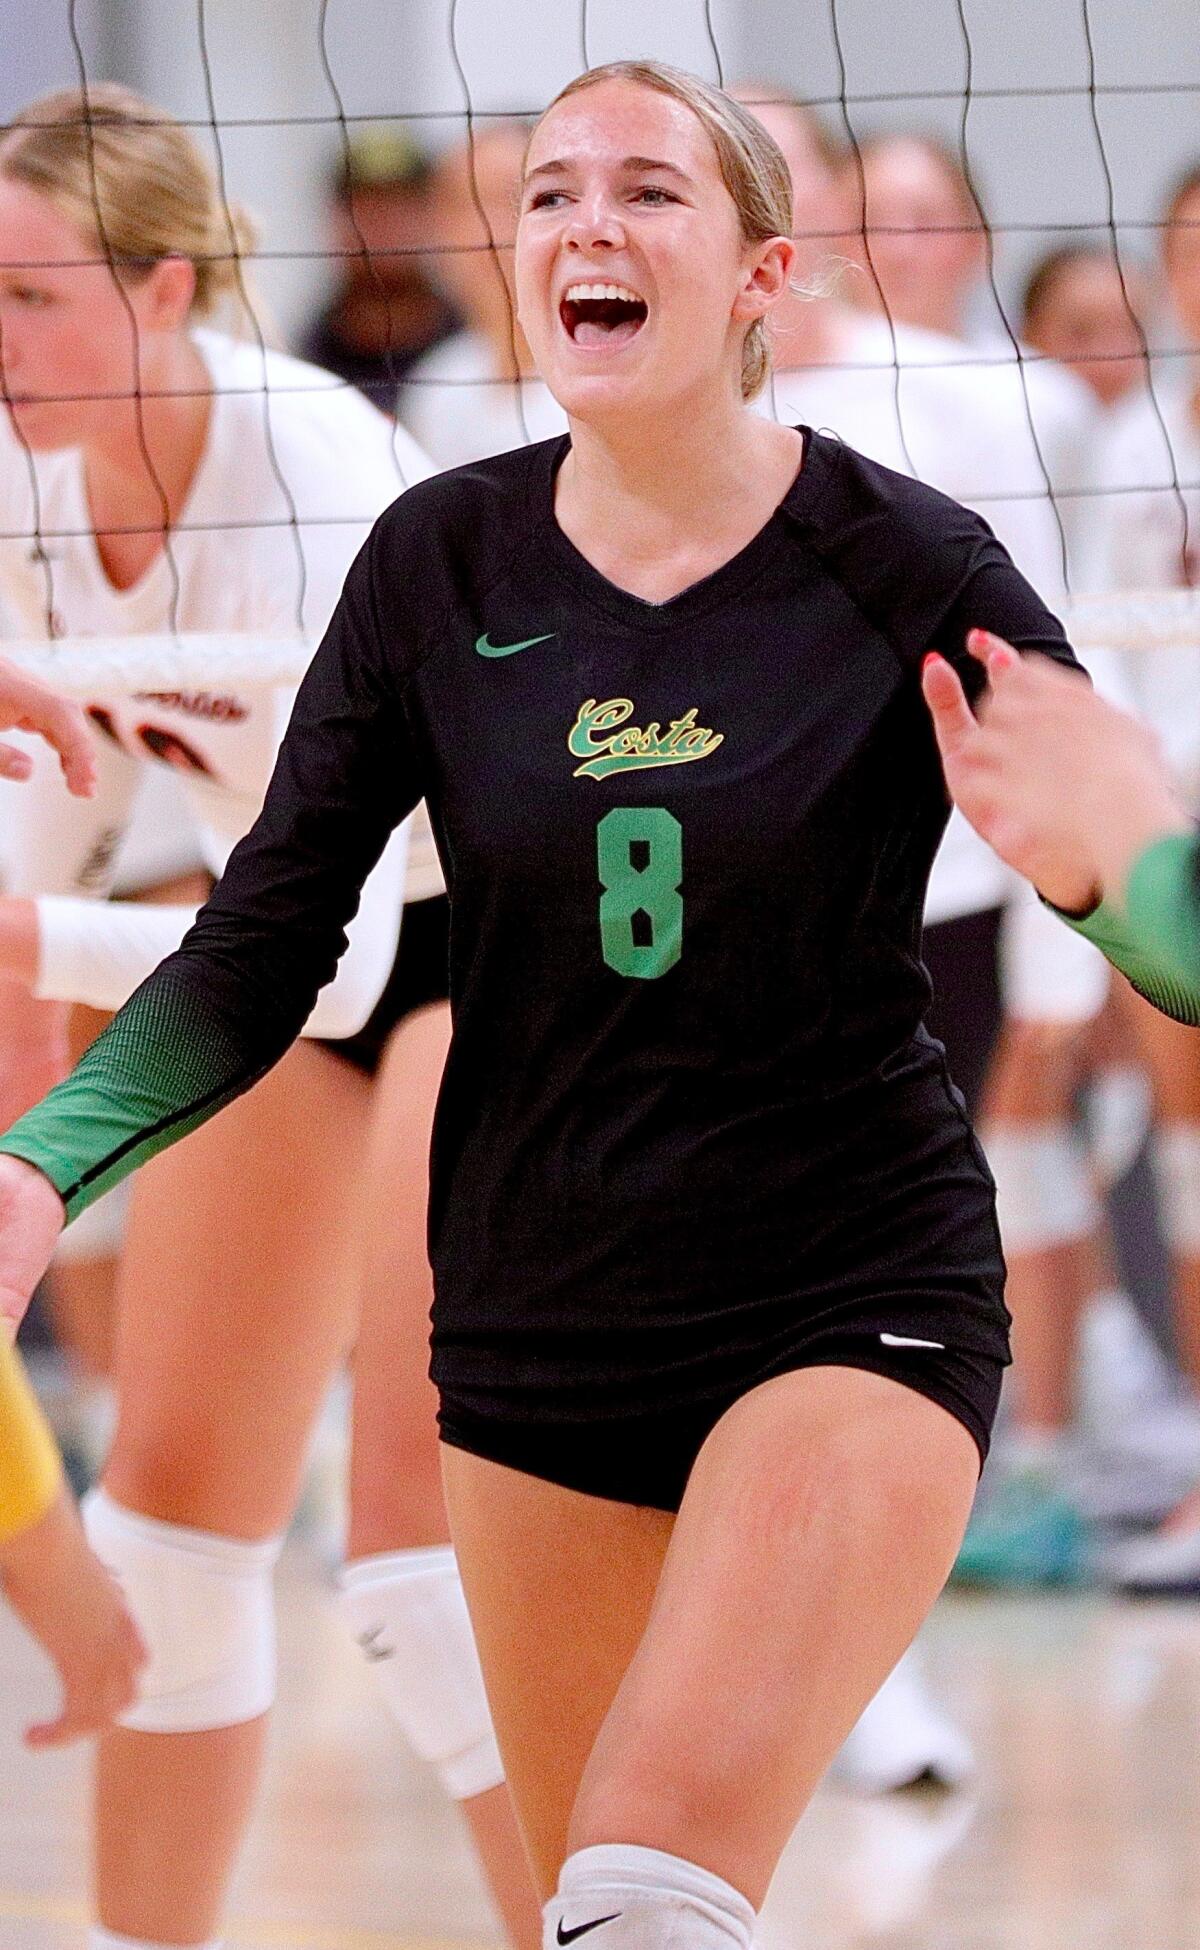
(963, 959)
(420, 975)
(647, 1459)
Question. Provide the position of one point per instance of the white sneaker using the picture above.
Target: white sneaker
(902, 1739)
(1164, 1565)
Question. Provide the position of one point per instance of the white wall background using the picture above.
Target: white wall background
(1037, 157)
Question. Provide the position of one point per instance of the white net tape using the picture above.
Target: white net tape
(95, 667)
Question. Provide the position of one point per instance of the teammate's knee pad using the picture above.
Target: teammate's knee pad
(642, 1899)
(408, 1612)
(206, 1610)
(1044, 1191)
(102, 1939)
(1176, 1156)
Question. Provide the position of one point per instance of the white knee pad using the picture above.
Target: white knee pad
(206, 1610)
(1176, 1155)
(1044, 1191)
(408, 1613)
(635, 1898)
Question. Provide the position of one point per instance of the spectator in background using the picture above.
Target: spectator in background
(478, 393)
(1084, 310)
(385, 310)
(922, 248)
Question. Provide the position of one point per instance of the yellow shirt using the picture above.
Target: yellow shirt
(30, 1465)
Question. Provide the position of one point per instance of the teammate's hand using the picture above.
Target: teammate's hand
(31, 1217)
(73, 1607)
(1064, 786)
(26, 705)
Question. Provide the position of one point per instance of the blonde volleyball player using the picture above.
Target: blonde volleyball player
(175, 478)
(59, 1590)
(719, 1327)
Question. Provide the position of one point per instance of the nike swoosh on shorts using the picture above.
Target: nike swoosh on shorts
(581, 1929)
(909, 1340)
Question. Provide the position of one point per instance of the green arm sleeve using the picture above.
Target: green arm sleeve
(1153, 935)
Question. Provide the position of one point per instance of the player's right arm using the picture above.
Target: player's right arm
(220, 1011)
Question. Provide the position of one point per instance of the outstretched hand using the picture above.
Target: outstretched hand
(1066, 788)
(26, 705)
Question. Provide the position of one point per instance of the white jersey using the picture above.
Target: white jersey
(1145, 535)
(460, 411)
(295, 469)
(960, 428)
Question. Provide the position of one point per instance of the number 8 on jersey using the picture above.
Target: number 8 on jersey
(640, 855)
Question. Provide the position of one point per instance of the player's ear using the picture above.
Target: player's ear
(168, 294)
(766, 273)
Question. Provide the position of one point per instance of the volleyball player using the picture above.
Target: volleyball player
(719, 1327)
(176, 478)
(1014, 993)
(1146, 525)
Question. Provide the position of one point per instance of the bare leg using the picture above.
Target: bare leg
(396, 1498)
(237, 1299)
(687, 1692)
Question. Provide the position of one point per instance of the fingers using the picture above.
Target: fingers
(14, 764)
(63, 725)
(92, 1703)
(992, 651)
(953, 722)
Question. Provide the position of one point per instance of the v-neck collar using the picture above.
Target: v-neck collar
(699, 597)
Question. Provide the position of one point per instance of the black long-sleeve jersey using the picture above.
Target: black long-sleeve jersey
(686, 847)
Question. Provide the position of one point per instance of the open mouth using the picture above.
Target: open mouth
(602, 314)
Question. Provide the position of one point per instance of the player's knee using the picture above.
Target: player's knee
(1176, 1155)
(408, 1613)
(205, 1608)
(1044, 1191)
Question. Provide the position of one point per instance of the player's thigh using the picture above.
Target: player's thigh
(237, 1299)
(560, 1586)
(1171, 1053)
(820, 1521)
(396, 1492)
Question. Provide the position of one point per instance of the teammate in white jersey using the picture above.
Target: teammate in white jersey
(1146, 536)
(163, 477)
(1013, 989)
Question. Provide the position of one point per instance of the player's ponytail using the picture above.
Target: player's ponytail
(752, 168)
(136, 185)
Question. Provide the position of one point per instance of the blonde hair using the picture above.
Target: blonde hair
(752, 167)
(134, 183)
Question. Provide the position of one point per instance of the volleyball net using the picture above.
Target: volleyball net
(861, 226)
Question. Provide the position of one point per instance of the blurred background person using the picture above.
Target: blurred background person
(478, 393)
(1084, 310)
(385, 309)
(923, 252)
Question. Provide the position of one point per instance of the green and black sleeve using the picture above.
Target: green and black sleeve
(1152, 935)
(221, 1010)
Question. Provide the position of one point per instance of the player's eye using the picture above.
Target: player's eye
(653, 193)
(547, 199)
(31, 297)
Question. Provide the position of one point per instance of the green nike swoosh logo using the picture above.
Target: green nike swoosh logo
(487, 649)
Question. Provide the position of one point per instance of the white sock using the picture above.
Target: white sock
(101, 1939)
(629, 1898)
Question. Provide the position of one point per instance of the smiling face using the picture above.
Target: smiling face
(635, 286)
(926, 242)
(67, 332)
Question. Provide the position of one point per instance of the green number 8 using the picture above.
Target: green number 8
(645, 889)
